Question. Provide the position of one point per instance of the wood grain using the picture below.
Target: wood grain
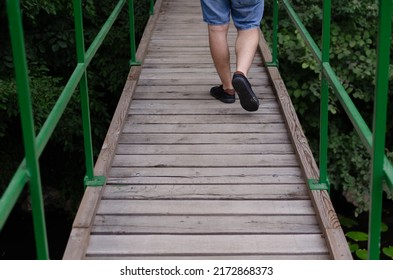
(189, 177)
(327, 216)
(79, 236)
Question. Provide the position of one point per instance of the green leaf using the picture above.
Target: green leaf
(388, 251)
(297, 93)
(357, 235)
(347, 222)
(62, 44)
(55, 48)
(353, 247)
(384, 227)
(362, 254)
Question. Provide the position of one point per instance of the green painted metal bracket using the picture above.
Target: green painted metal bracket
(272, 64)
(315, 185)
(97, 181)
(134, 63)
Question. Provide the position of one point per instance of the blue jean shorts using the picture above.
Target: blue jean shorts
(246, 14)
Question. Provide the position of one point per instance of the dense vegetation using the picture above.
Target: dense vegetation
(353, 57)
(49, 34)
(51, 57)
(50, 45)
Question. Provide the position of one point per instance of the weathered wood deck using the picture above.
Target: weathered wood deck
(191, 177)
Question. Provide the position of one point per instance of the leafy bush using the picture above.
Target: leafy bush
(353, 57)
(51, 58)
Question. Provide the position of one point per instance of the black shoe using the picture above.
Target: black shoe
(219, 93)
(247, 97)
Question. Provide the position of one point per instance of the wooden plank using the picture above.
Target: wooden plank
(206, 207)
(212, 81)
(190, 88)
(110, 142)
(292, 191)
(205, 175)
(186, 50)
(183, 76)
(202, 119)
(200, 67)
(172, 58)
(77, 243)
(232, 200)
(109, 224)
(195, 245)
(207, 171)
(322, 256)
(190, 92)
(189, 104)
(80, 232)
(203, 128)
(250, 138)
(263, 95)
(205, 160)
(168, 179)
(215, 109)
(180, 149)
(328, 218)
(299, 139)
(205, 69)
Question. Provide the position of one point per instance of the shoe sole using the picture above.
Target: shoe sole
(247, 97)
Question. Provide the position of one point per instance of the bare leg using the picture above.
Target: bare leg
(246, 46)
(220, 53)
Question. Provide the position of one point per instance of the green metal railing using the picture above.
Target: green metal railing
(28, 171)
(382, 170)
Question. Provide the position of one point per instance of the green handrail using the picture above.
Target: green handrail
(382, 170)
(28, 171)
(131, 13)
(31, 169)
(379, 124)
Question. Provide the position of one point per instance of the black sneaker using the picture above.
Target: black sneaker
(247, 97)
(222, 95)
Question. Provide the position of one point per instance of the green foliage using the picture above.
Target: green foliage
(362, 254)
(358, 240)
(51, 58)
(349, 166)
(388, 251)
(357, 236)
(353, 57)
(347, 222)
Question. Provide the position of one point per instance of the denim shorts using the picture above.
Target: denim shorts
(246, 14)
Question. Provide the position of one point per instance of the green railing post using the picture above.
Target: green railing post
(151, 7)
(131, 13)
(26, 113)
(29, 171)
(379, 125)
(274, 61)
(324, 109)
(84, 96)
(382, 170)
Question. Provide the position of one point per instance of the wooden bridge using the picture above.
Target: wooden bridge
(189, 177)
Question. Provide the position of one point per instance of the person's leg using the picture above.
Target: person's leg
(220, 53)
(217, 15)
(246, 46)
(247, 16)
